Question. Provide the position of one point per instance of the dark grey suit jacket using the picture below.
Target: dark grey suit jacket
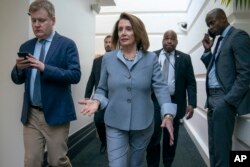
(233, 69)
(94, 77)
(93, 83)
(185, 83)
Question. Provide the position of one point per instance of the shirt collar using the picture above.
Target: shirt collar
(224, 33)
(166, 53)
(49, 39)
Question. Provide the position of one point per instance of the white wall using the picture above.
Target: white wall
(197, 126)
(13, 31)
(105, 24)
(74, 20)
(158, 16)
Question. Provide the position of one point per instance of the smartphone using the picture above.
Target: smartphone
(212, 35)
(23, 54)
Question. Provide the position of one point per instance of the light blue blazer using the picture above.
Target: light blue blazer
(126, 92)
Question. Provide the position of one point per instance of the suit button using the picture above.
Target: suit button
(129, 77)
(129, 89)
(129, 100)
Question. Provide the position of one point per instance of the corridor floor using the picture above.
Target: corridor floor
(187, 154)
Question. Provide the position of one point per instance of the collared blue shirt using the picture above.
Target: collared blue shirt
(36, 54)
(212, 79)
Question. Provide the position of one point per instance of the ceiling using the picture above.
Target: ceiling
(107, 2)
(144, 6)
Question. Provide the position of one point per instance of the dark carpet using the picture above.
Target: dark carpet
(187, 154)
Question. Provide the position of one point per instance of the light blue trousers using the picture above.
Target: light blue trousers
(127, 148)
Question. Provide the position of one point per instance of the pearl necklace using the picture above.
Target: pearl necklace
(132, 58)
(129, 59)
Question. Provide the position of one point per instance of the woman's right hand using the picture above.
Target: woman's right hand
(167, 122)
(89, 106)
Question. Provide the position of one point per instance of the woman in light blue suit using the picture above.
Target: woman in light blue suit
(128, 75)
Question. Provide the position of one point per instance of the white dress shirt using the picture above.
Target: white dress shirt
(171, 70)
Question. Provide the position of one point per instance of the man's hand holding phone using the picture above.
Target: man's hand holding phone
(22, 61)
(208, 41)
(27, 60)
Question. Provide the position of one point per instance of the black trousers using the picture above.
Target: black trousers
(100, 126)
(168, 152)
(101, 130)
(154, 147)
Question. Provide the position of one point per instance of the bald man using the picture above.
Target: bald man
(227, 83)
(178, 72)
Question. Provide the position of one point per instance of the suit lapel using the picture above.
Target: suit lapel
(224, 42)
(177, 63)
(158, 52)
(54, 44)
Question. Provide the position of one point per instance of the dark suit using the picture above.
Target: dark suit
(233, 74)
(93, 83)
(185, 86)
(62, 69)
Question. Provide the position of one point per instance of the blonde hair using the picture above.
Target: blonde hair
(42, 4)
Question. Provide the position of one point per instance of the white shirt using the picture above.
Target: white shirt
(171, 70)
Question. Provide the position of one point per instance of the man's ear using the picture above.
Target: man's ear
(53, 18)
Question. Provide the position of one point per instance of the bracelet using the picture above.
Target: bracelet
(97, 102)
(169, 116)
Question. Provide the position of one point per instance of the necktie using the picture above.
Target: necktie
(217, 45)
(165, 68)
(37, 101)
